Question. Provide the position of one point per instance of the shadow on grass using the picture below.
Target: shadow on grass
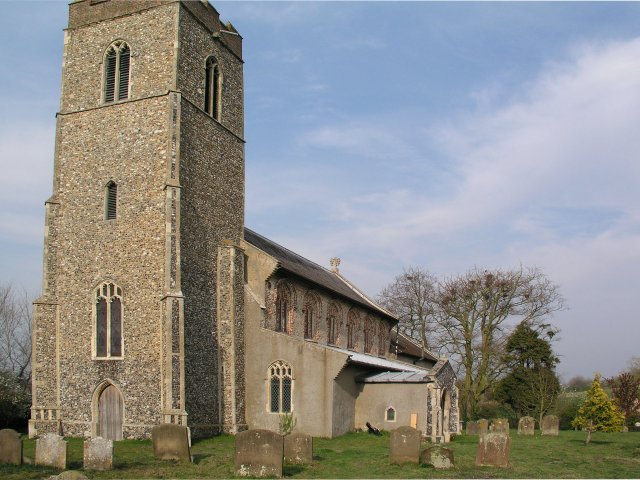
(289, 470)
(592, 442)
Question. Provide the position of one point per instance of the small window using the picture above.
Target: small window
(280, 388)
(390, 415)
(108, 321)
(117, 63)
(212, 88)
(111, 201)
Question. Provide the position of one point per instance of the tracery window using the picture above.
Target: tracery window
(213, 88)
(382, 343)
(111, 201)
(311, 311)
(352, 328)
(280, 393)
(283, 307)
(368, 336)
(108, 321)
(117, 63)
(332, 325)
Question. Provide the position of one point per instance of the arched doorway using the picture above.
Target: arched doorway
(445, 409)
(110, 413)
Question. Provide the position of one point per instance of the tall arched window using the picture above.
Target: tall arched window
(332, 325)
(352, 329)
(108, 321)
(280, 377)
(283, 310)
(311, 311)
(111, 201)
(213, 88)
(117, 62)
(368, 335)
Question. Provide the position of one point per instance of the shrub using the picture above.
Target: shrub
(15, 401)
(490, 409)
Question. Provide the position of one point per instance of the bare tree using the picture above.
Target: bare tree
(15, 331)
(411, 297)
(474, 312)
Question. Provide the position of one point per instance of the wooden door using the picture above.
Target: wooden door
(111, 409)
(414, 420)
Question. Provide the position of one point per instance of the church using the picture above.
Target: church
(158, 304)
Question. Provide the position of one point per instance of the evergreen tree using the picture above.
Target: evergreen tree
(598, 412)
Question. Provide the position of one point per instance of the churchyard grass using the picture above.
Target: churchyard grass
(359, 455)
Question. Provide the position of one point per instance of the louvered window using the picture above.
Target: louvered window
(280, 387)
(108, 321)
(117, 69)
(212, 88)
(111, 201)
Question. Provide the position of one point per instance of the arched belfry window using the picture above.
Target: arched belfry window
(280, 377)
(108, 320)
(213, 88)
(111, 201)
(117, 63)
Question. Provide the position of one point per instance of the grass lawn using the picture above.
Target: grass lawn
(359, 455)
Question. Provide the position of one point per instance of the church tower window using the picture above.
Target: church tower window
(280, 387)
(111, 201)
(117, 64)
(212, 88)
(108, 321)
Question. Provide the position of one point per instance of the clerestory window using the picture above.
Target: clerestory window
(117, 63)
(213, 88)
(108, 321)
(280, 392)
(283, 310)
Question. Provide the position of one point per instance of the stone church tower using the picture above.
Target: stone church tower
(141, 318)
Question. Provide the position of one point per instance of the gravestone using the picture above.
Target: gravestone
(51, 450)
(298, 448)
(550, 425)
(493, 450)
(440, 457)
(526, 426)
(171, 442)
(473, 428)
(98, 454)
(404, 446)
(259, 453)
(10, 447)
(483, 426)
(499, 425)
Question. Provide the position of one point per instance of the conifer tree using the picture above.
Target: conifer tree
(598, 412)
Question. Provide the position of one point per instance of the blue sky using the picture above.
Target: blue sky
(393, 134)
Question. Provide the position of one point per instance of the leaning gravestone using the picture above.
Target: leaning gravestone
(98, 454)
(10, 447)
(483, 426)
(440, 457)
(298, 448)
(171, 442)
(259, 453)
(493, 450)
(404, 446)
(51, 450)
(499, 425)
(550, 425)
(526, 426)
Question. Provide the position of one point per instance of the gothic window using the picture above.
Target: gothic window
(283, 310)
(212, 88)
(311, 311)
(381, 341)
(111, 201)
(352, 328)
(368, 336)
(108, 321)
(117, 63)
(390, 414)
(280, 387)
(332, 325)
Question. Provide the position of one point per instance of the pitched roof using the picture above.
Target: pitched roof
(305, 269)
(402, 344)
(379, 363)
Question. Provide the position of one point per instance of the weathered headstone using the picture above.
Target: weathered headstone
(440, 457)
(259, 453)
(526, 426)
(51, 450)
(483, 426)
(298, 448)
(499, 425)
(171, 442)
(550, 425)
(404, 446)
(10, 447)
(472, 428)
(493, 450)
(98, 454)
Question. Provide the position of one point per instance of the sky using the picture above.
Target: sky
(396, 134)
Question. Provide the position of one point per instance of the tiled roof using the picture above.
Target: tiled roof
(307, 270)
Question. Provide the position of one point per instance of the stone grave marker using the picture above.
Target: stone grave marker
(259, 453)
(550, 425)
(171, 442)
(493, 450)
(298, 448)
(526, 426)
(499, 425)
(10, 447)
(404, 446)
(472, 428)
(51, 450)
(98, 454)
(483, 426)
(440, 457)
